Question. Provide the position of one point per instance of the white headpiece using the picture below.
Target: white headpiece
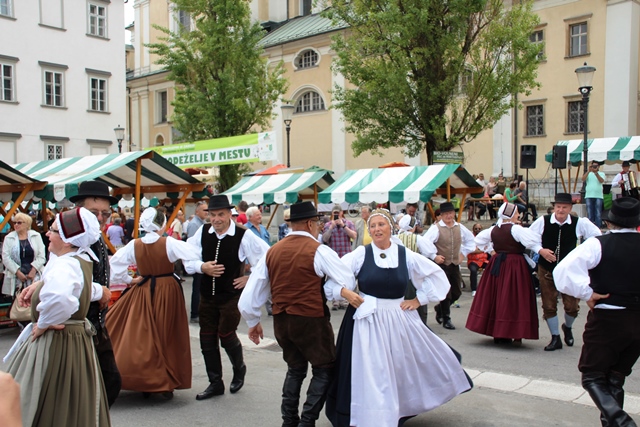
(80, 228)
(385, 214)
(152, 220)
(506, 211)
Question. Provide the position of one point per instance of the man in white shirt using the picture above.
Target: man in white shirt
(602, 271)
(619, 181)
(559, 234)
(453, 242)
(196, 222)
(225, 247)
(292, 273)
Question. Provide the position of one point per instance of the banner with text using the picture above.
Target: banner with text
(448, 157)
(255, 147)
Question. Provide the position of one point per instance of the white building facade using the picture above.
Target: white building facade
(62, 78)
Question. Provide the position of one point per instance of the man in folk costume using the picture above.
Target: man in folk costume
(619, 180)
(225, 246)
(601, 271)
(559, 233)
(292, 274)
(94, 196)
(453, 241)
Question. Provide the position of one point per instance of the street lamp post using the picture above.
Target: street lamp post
(585, 77)
(120, 137)
(287, 117)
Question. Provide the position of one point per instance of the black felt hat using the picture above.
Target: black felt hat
(95, 189)
(624, 212)
(219, 201)
(304, 210)
(625, 163)
(446, 207)
(563, 198)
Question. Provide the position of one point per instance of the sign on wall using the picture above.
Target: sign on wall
(448, 157)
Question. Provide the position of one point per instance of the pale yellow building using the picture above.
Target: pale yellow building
(316, 136)
(603, 33)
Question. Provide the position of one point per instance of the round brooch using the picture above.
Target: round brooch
(383, 255)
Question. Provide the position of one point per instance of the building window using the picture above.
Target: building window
(54, 152)
(53, 88)
(5, 8)
(52, 13)
(159, 141)
(537, 37)
(465, 79)
(162, 106)
(576, 117)
(578, 39)
(309, 101)
(535, 120)
(307, 59)
(97, 20)
(305, 7)
(184, 19)
(97, 94)
(7, 82)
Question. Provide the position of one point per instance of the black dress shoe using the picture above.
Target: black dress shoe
(167, 395)
(238, 379)
(555, 344)
(438, 315)
(568, 335)
(447, 324)
(214, 389)
(502, 340)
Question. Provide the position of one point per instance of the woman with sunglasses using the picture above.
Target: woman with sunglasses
(505, 305)
(23, 255)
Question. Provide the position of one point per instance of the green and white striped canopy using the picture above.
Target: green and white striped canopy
(278, 188)
(116, 170)
(401, 184)
(608, 150)
(13, 183)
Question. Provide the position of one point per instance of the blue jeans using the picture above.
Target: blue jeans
(594, 210)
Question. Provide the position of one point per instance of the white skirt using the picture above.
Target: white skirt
(399, 367)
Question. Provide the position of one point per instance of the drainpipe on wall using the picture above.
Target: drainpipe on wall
(515, 138)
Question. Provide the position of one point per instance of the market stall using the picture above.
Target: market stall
(604, 150)
(134, 173)
(280, 187)
(402, 184)
(15, 188)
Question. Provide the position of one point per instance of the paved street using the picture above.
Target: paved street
(515, 387)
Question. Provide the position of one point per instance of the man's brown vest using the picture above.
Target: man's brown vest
(449, 244)
(295, 287)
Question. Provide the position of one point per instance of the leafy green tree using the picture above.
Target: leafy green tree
(430, 74)
(223, 85)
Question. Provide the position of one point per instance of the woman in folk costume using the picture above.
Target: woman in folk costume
(54, 359)
(390, 366)
(148, 324)
(505, 304)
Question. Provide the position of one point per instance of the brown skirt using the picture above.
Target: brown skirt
(150, 337)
